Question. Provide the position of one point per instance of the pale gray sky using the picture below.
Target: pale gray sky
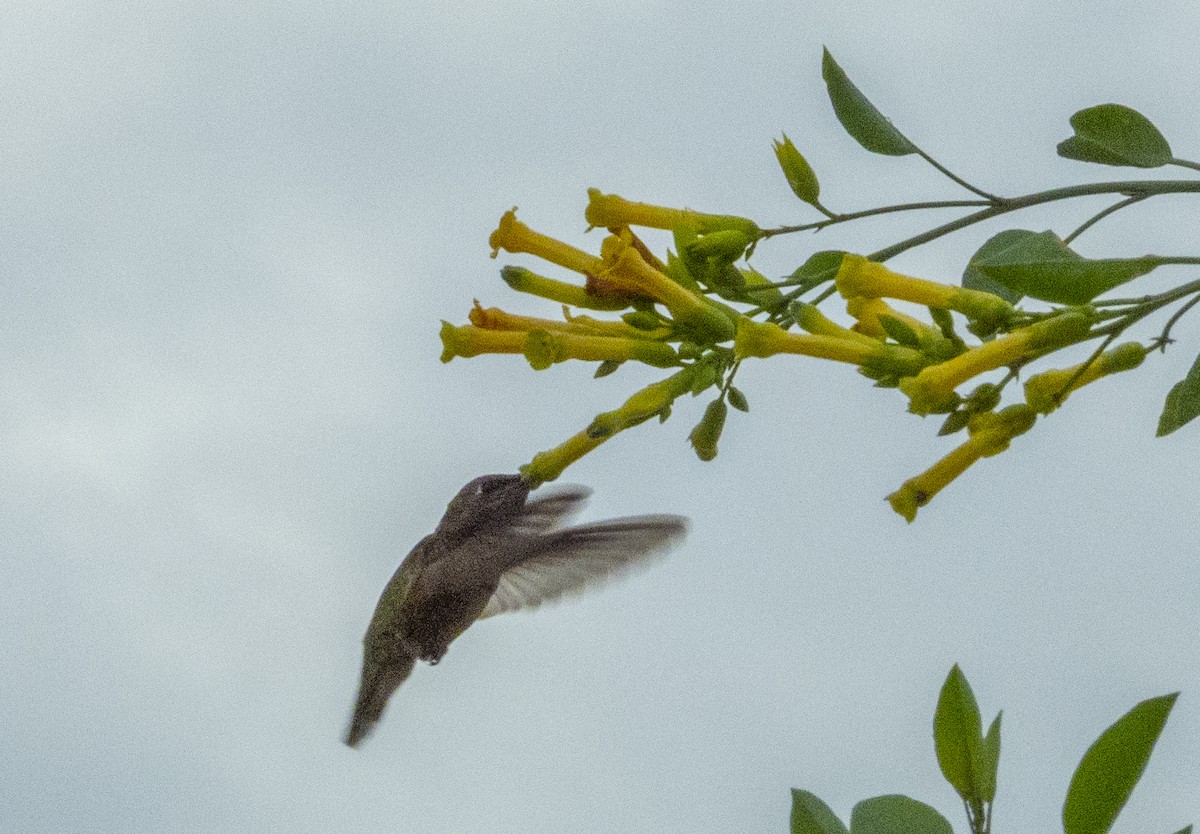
(229, 232)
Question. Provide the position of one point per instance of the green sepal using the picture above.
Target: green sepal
(955, 422)
(606, 367)
(539, 349)
(643, 319)
(900, 332)
(737, 399)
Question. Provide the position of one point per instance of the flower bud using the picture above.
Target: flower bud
(609, 211)
(858, 276)
(526, 281)
(707, 432)
(1046, 391)
(762, 339)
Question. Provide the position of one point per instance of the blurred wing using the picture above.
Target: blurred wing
(572, 560)
(541, 515)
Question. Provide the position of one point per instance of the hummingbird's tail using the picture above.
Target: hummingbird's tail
(379, 681)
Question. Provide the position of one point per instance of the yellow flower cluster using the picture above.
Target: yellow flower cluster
(670, 320)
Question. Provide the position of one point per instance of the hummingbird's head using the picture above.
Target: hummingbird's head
(487, 500)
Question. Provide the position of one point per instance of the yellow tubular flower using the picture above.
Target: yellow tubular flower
(609, 211)
(514, 236)
(467, 341)
(933, 388)
(548, 465)
(625, 271)
(861, 277)
(868, 312)
(523, 280)
(991, 434)
(644, 404)
(1048, 390)
(493, 318)
(762, 339)
(598, 327)
(810, 318)
(543, 349)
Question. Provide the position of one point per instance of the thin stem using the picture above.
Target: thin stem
(1096, 218)
(1178, 292)
(991, 198)
(834, 219)
(1184, 163)
(1129, 188)
(729, 376)
(1164, 338)
(1082, 369)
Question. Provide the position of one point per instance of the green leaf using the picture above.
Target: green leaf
(1187, 829)
(990, 760)
(868, 126)
(973, 279)
(1183, 402)
(958, 736)
(1113, 134)
(1112, 766)
(737, 399)
(799, 173)
(1040, 265)
(812, 816)
(895, 814)
(607, 367)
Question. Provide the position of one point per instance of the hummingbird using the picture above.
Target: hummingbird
(494, 551)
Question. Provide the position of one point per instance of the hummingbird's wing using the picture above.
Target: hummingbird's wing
(543, 514)
(379, 681)
(572, 560)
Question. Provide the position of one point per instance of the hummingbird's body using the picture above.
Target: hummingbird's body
(492, 552)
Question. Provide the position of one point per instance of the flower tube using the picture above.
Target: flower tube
(991, 433)
(858, 276)
(608, 211)
(1046, 391)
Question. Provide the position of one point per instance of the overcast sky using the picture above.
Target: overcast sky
(228, 233)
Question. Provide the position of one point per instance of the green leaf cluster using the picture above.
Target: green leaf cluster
(969, 761)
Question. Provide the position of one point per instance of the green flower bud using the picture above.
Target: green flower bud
(726, 246)
(707, 432)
